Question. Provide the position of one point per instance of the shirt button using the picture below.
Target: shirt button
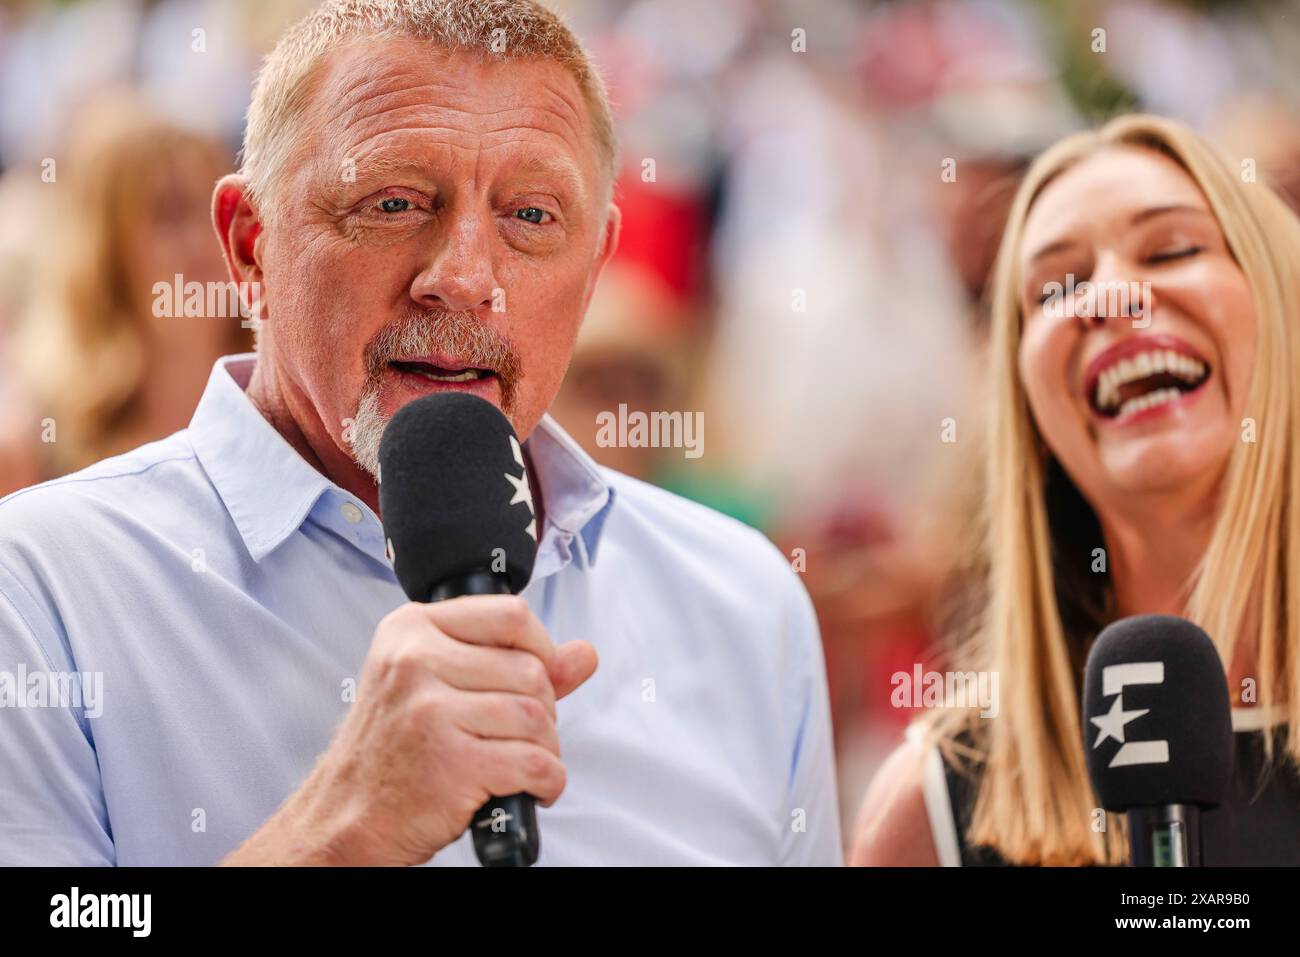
(350, 512)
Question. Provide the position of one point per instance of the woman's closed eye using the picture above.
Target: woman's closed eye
(1169, 255)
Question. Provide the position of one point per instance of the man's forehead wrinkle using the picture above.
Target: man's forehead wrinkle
(381, 81)
(363, 88)
(477, 120)
(376, 158)
(575, 117)
(365, 141)
(379, 110)
(375, 110)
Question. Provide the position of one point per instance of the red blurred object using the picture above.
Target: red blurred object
(664, 231)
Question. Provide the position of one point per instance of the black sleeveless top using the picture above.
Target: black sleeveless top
(1259, 824)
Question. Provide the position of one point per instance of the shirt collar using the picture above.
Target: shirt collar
(575, 496)
(270, 490)
(266, 486)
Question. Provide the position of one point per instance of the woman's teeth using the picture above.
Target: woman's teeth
(1142, 366)
(1143, 402)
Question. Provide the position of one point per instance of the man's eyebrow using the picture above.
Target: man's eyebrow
(559, 169)
(381, 165)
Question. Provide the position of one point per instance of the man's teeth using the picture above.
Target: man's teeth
(468, 375)
(1142, 402)
(1139, 367)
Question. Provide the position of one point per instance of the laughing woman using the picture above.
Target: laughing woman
(1163, 432)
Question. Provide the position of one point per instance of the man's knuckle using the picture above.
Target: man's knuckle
(532, 712)
(536, 679)
(515, 612)
(534, 763)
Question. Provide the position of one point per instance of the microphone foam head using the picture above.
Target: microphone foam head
(1156, 717)
(454, 494)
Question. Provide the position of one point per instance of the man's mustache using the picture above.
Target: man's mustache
(456, 334)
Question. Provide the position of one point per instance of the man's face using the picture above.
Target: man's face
(440, 229)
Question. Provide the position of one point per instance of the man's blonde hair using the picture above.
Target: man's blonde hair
(505, 29)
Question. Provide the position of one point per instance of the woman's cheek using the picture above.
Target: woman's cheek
(1044, 371)
(1041, 351)
(1052, 417)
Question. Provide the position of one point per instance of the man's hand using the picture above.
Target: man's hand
(456, 703)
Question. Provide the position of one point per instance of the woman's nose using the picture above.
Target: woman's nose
(1114, 293)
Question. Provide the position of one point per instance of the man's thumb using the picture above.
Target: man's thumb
(574, 663)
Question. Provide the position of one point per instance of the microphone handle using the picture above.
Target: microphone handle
(1168, 835)
(505, 828)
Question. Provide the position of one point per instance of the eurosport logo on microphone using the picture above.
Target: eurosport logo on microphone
(523, 492)
(1112, 724)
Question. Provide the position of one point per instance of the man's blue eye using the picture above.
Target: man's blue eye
(387, 205)
(531, 214)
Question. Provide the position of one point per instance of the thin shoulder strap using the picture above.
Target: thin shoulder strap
(938, 804)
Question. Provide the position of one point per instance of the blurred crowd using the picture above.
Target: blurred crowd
(812, 192)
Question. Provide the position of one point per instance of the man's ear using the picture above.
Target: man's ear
(238, 227)
(608, 244)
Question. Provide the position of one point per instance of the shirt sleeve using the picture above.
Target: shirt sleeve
(52, 810)
(812, 824)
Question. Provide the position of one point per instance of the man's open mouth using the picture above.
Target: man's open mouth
(1137, 376)
(437, 373)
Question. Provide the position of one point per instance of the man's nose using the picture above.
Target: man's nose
(459, 276)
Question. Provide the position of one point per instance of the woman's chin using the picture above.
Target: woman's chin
(1165, 461)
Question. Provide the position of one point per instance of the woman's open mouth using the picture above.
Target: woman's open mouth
(1141, 374)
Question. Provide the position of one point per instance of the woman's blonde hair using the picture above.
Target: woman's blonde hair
(81, 342)
(1042, 605)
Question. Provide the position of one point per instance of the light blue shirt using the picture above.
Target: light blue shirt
(215, 596)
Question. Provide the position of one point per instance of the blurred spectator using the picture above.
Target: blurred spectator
(633, 350)
(1265, 131)
(100, 370)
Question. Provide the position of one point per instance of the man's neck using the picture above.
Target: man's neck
(292, 414)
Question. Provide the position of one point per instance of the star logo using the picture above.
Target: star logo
(522, 491)
(1112, 722)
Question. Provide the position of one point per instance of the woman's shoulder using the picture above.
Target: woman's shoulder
(894, 827)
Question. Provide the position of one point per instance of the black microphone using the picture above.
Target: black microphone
(458, 517)
(1158, 733)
